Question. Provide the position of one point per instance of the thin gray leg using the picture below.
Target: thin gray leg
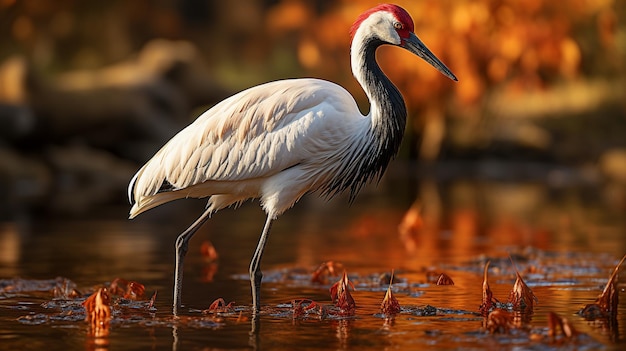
(255, 267)
(182, 242)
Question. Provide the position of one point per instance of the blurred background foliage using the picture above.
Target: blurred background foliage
(90, 90)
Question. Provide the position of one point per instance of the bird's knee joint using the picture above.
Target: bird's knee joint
(181, 245)
(256, 274)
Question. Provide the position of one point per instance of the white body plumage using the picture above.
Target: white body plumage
(276, 142)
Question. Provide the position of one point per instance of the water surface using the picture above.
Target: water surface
(565, 241)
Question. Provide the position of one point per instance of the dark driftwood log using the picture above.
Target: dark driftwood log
(147, 98)
(86, 132)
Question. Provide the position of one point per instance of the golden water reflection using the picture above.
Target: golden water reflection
(436, 227)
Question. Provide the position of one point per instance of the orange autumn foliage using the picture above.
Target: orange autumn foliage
(517, 44)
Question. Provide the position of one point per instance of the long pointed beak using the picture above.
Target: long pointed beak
(415, 45)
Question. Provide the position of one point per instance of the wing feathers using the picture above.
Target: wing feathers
(251, 135)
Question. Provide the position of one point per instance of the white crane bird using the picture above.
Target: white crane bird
(280, 140)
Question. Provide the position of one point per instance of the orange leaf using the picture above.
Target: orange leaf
(219, 305)
(521, 296)
(134, 291)
(118, 286)
(325, 269)
(98, 307)
(341, 296)
(152, 300)
(128, 289)
(606, 304)
(488, 300)
(390, 304)
(608, 300)
(299, 310)
(444, 279)
(66, 289)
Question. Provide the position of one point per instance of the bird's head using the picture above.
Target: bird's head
(392, 25)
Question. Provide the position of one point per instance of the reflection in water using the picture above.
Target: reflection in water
(175, 340)
(451, 227)
(98, 336)
(343, 332)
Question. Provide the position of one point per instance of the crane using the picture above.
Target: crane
(281, 140)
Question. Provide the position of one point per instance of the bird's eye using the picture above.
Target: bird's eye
(398, 25)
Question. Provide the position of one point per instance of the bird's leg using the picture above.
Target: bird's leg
(255, 267)
(182, 242)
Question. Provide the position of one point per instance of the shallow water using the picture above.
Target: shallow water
(565, 241)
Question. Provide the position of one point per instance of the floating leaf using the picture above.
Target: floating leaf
(438, 278)
(219, 306)
(488, 300)
(134, 291)
(341, 296)
(118, 286)
(324, 270)
(66, 290)
(98, 307)
(606, 304)
(521, 297)
(131, 290)
(390, 304)
(444, 279)
(152, 300)
(303, 307)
